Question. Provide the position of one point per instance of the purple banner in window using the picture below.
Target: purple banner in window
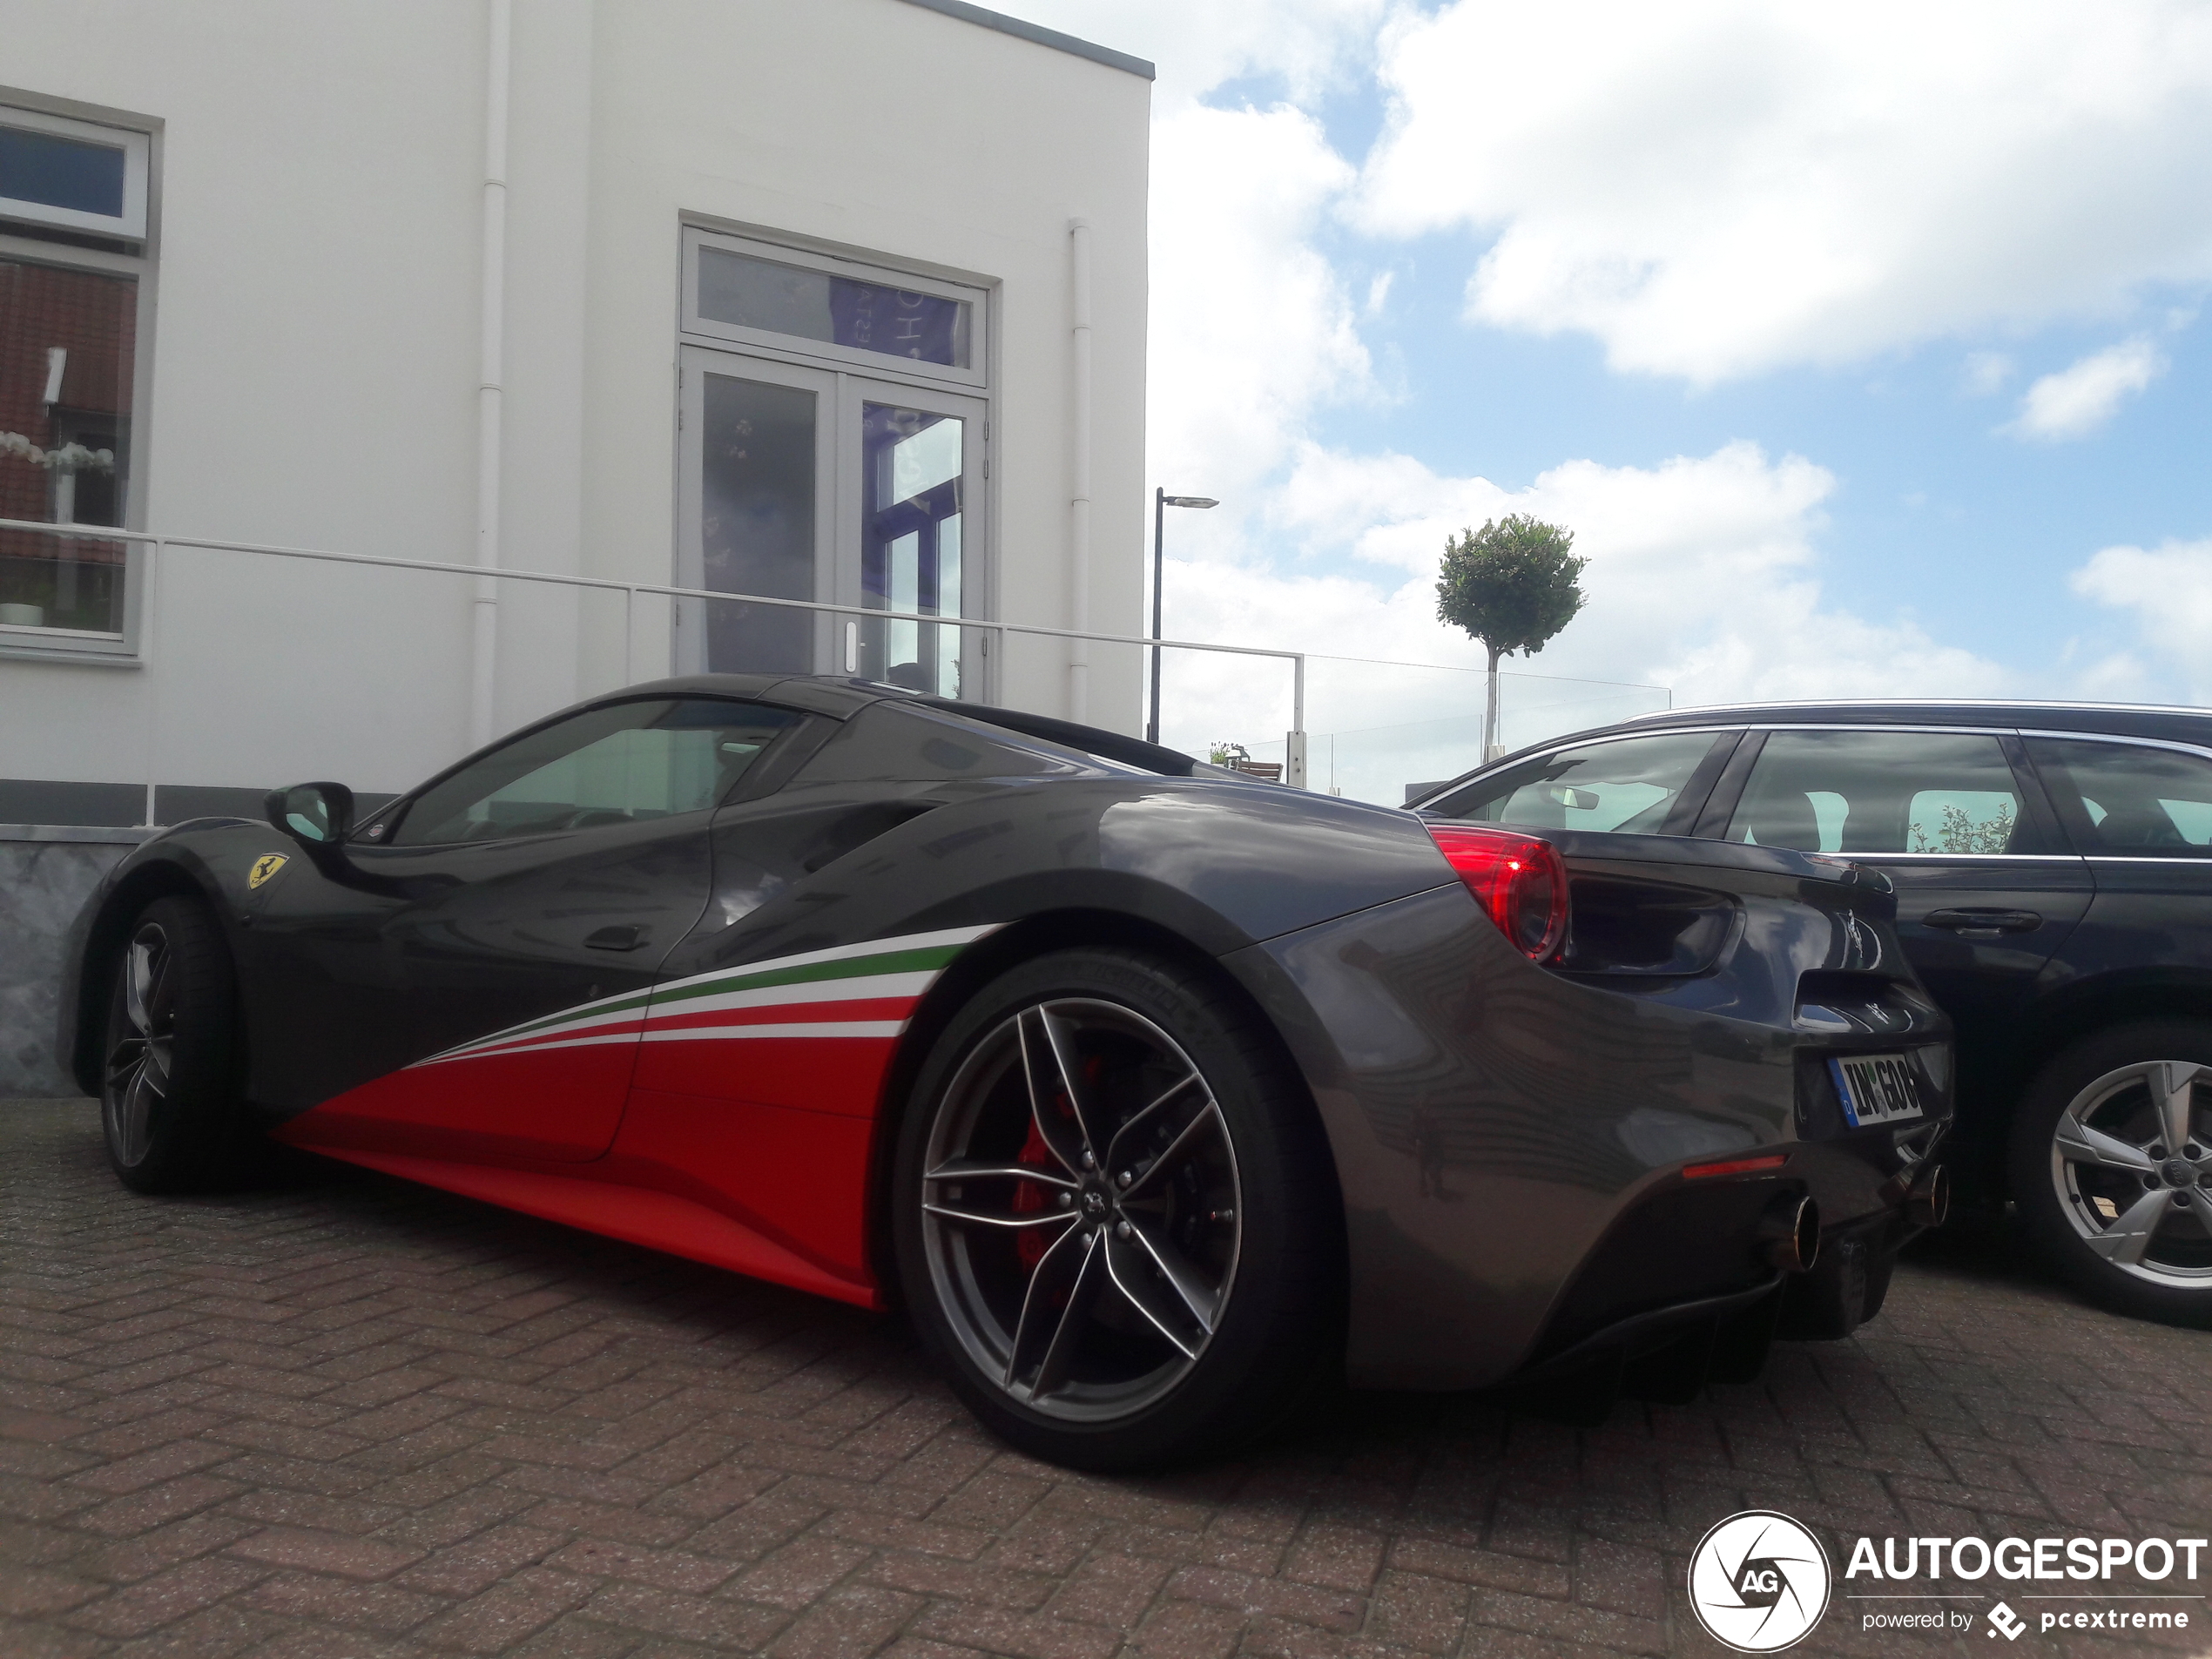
(896, 323)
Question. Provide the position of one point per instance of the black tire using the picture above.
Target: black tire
(2117, 1212)
(1191, 1334)
(169, 1104)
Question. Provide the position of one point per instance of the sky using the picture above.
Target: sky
(1863, 348)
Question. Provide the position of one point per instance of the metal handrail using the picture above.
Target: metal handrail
(157, 544)
(102, 532)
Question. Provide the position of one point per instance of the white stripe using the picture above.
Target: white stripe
(589, 1016)
(810, 1029)
(628, 1019)
(839, 952)
(856, 990)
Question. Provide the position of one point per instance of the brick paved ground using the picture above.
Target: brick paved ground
(353, 1417)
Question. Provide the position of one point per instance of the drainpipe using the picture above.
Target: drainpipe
(490, 390)
(1079, 505)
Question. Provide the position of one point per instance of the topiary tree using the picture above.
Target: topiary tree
(1513, 584)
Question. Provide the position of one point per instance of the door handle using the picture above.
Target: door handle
(626, 936)
(1985, 922)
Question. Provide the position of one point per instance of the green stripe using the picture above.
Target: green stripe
(889, 962)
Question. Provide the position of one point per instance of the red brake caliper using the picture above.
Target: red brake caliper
(1032, 1197)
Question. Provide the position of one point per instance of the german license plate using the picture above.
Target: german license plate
(1876, 1089)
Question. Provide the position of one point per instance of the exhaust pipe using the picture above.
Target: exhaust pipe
(1928, 1201)
(1789, 1233)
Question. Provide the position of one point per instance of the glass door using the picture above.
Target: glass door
(758, 457)
(805, 483)
(919, 476)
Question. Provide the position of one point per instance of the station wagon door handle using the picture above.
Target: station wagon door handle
(629, 936)
(1986, 921)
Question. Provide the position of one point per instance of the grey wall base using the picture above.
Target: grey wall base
(46, 874)
(33, 801)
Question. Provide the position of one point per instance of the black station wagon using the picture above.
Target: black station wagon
(2053, 872)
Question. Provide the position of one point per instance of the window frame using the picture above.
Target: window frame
(881, 365)
(2065, 809)
(22, 239)
(137, 146)
(705, 347)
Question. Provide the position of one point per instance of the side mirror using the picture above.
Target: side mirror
(315, 815)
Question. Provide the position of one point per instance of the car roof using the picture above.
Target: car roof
(2174, 723)
(2120, 720)
(841, 699)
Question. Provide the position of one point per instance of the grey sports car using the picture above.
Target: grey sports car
(1161, 1097)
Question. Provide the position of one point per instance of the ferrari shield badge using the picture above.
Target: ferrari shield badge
(265, 866)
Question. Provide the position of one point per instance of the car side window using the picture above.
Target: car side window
(2124, 797)
(1880, 791)
(1630, 784)
(619, 764)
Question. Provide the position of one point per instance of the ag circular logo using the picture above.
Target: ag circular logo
(1758, 1582)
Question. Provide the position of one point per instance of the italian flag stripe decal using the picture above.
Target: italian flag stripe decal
(865, 990)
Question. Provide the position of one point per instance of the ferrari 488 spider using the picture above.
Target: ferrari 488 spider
(1160, 1098)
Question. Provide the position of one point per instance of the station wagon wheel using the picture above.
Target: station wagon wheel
(169, 1106)
(2125, 1199)
(1113, 1213)
(2130, 1161)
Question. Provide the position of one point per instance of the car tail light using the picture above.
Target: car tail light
(1517, 880)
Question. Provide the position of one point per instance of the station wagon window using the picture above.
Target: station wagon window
(1880, 792)
(619, 764)
(2124, 798)
(1630, 785)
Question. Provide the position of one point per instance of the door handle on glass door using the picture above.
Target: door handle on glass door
(627, 936)
(1985, 922)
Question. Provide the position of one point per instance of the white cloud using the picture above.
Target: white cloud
(1252, 328)
(2168, 589)
(2076, 400)
(1703, 578)
(1715, 188)
(1987, 373)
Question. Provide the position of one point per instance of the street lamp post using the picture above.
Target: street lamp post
(1161, 501)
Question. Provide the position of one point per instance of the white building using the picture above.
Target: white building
(840, 301)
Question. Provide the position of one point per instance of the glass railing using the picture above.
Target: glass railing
(281, 643)
(1377, 731)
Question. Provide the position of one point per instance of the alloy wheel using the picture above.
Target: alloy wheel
(1081, 1213)
(2131, 1158)
(140, 1059)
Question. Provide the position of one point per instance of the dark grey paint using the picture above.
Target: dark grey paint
(1494, 1123)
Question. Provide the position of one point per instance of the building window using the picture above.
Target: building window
(832, 310)
(73, 291)
(73, 175)
(835, 426)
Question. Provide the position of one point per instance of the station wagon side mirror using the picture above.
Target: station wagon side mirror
(315, 815)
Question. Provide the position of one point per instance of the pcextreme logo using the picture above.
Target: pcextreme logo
(1759, 1582)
